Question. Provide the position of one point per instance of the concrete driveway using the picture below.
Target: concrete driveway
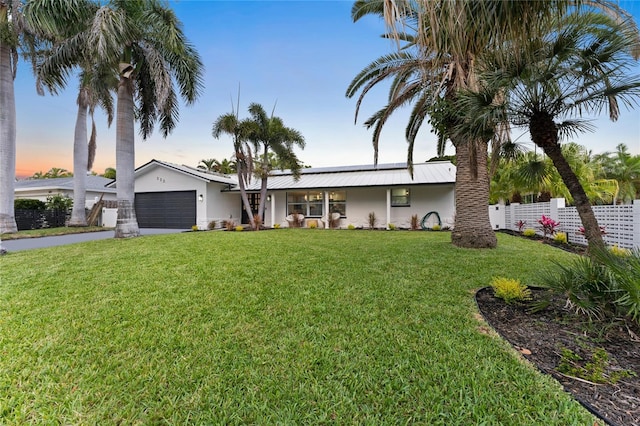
(42, 242)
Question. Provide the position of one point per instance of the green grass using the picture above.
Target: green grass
(275, 327)
(49, 232)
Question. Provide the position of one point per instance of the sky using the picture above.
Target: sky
(296, 56)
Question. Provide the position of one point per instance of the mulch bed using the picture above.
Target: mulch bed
(541, 336)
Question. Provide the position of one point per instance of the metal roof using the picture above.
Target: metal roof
(94, 183)
(361, 176)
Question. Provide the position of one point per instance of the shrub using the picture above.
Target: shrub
(59, 202)
(257, 220)
(351, 226)
(239, 228)
(617, 251)
(529, 232)
(372, 220)
(313, 225)
(391, 227)
(212, 225)
(194, 228)
(510, 290)
(415, 222)
(603, 284)
(276, 226)
(436, 227)
(548, 225)
(28, 204)
(521, 224)
(561, 238)
(229, 224)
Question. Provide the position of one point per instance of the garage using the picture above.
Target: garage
(172, 210)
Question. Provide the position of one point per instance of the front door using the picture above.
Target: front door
(254, 201)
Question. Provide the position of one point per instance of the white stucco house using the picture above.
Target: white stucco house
(176, 196)
(40, 189)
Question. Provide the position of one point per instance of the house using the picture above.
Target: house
(40, 189)
(177, 196)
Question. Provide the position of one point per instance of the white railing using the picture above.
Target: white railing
(621, 223)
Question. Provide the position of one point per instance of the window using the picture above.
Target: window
(310, 204)
(338, 202)
(400, 197)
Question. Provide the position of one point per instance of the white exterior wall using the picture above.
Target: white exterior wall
(362, 201)
(221, 205)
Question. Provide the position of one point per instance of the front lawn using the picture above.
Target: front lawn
(292, 326)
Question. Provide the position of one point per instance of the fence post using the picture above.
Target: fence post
(636, 224)
(555, 204)
(511, 217)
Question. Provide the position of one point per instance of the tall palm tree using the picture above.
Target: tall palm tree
(14, 34)
(97, 81)
(450, 38)
(580, 66)
(155, 62)
(229, 124)
(271, 137)
(437, 61)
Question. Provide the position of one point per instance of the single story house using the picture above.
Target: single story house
(177, 196)
(40, 189)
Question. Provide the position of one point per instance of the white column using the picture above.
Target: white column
(636, 224)
(273, 209)
(327, 214)
(554, 205)
(388, 207)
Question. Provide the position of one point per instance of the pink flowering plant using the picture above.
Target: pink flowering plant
(548, 225)
(521, 224)
(603, 231)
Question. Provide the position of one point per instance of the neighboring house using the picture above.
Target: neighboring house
(176, 196)
(40, 189)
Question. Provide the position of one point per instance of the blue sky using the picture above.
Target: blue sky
(298, 54)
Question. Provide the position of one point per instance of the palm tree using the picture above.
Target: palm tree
(579, 67)
(437, 61)
(270, 136)
(14, 33)
(210, 165)
(625, 169)
(57, 172)
(109, 173)
(97, 81)
(155, 62)
(227, 167)
(229, 124)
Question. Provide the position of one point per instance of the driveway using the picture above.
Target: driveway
(42, 242)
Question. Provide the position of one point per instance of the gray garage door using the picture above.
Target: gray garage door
(172, 210)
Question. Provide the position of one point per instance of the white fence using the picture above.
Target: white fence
(621, 223)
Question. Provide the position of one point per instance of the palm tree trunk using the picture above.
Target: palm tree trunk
(7, 141)
(587, 217)
(544, 133)
(80, 158)
(127, 223)
(472, 224)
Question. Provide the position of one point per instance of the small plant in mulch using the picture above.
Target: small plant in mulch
(510, 290)
(212, 225)
(414, 223)
(372, 220)
(529, 232)
(521, 225)
(560, 238)
(548, 225)
(596, 370)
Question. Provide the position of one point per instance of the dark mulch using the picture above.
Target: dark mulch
(541, 336)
